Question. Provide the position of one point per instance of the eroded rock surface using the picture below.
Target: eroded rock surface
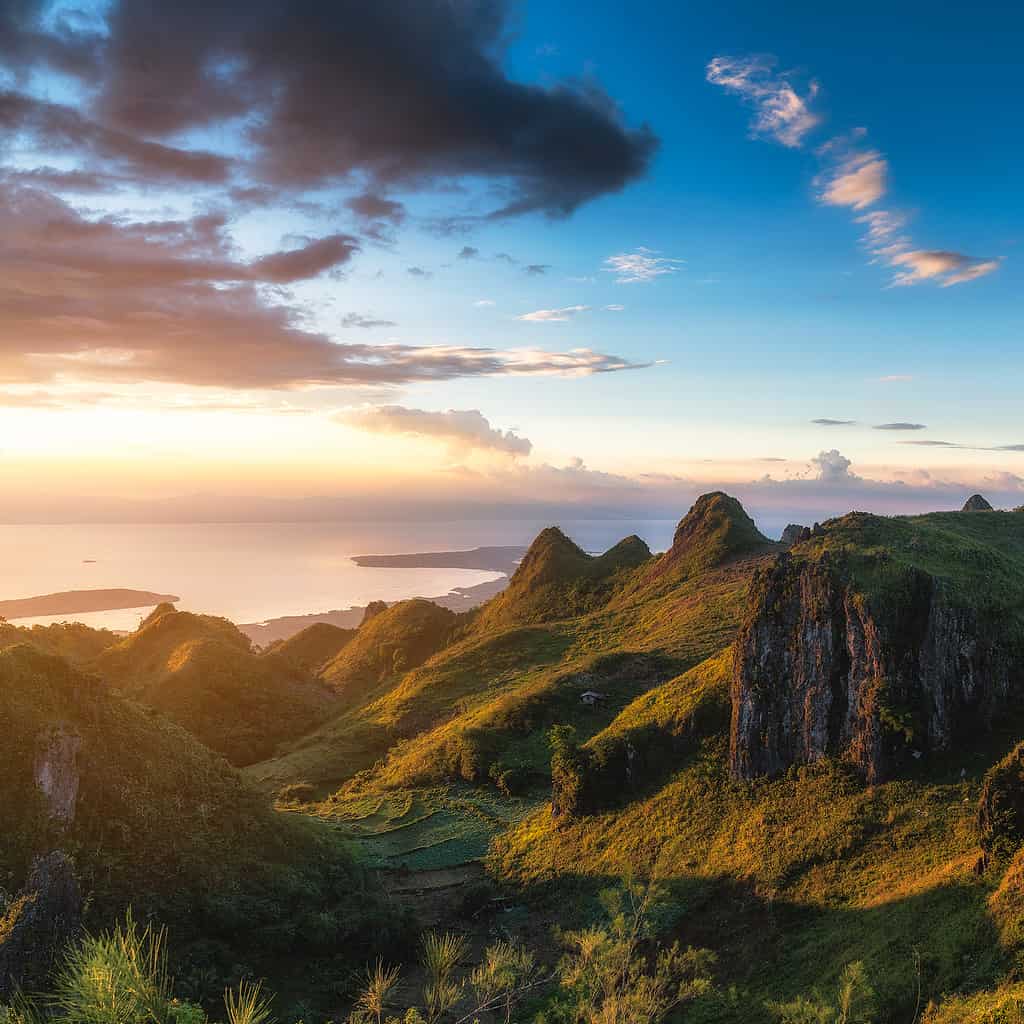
(38, 923)
(822, 672)
(56, 772)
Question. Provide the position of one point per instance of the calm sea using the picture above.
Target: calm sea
(251, 572)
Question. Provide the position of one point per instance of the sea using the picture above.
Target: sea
(253, 572)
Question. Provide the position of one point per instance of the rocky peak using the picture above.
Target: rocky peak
(794, 534)
(373, 609)
(976, 503)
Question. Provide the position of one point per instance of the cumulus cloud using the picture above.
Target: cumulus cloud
(358, 320)
(780, 111)
(642, 264)
(553, 315)
(460, 428)
(832, 466)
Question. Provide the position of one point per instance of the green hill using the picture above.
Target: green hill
(77, 643)
(200, 671)
(388, 643)
(558, 580)
(311, 648)
(153, 819)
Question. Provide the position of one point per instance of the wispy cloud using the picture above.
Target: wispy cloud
(537, 269)
(469, 252)
(642, 264)
(826, 422)
(419, 272)
(615, 307)
(901, 426)
(780, 111)
(855, 177)
(893, 378)
(553, 315)
(460, 428)
(358, 320)
(483, 303)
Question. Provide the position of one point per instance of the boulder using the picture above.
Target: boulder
(38, 924)
(1001, 806)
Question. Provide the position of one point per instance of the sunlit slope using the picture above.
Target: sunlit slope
(482, 706)
(311, 648)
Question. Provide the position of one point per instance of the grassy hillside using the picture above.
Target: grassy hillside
(311, 648)
(388, 643)
(199, 670)
(163, 824)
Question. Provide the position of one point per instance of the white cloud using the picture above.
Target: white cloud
(553, 315)
(642, 264)
(461, 428)
(833, 466)
(857, 181)
(615, 307)
(948, 268)
(780, 111)
(482, 303)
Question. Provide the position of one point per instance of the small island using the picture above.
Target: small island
(77, 602)
(489, 559)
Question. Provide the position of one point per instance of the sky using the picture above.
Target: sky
(317, 259)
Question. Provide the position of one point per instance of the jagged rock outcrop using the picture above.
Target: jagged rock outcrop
(976, 503)
(794, 534)
(38, 923)
(823, 669)
(373, 609)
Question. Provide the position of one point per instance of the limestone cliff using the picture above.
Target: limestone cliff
(852, 650)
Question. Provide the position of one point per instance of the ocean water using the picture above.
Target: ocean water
(251, 572)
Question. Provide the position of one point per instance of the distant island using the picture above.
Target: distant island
(491, 559)
(76, 602)
(460, 599)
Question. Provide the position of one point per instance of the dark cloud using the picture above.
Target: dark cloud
(469, 252)
(503, 257)
(825, 422)
(399, 92)
(358, 320)
(316, 256)
(901, 426)
(418, 272)
(537, 269)
(167, 301)
(61, 129)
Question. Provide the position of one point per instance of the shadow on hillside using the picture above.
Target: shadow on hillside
(938, 941)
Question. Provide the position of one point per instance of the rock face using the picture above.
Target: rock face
(820, 672)
(976, 503)
(793, 534)
(56, 772)
(37, 924)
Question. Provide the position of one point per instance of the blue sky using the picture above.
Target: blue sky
(773, 309)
